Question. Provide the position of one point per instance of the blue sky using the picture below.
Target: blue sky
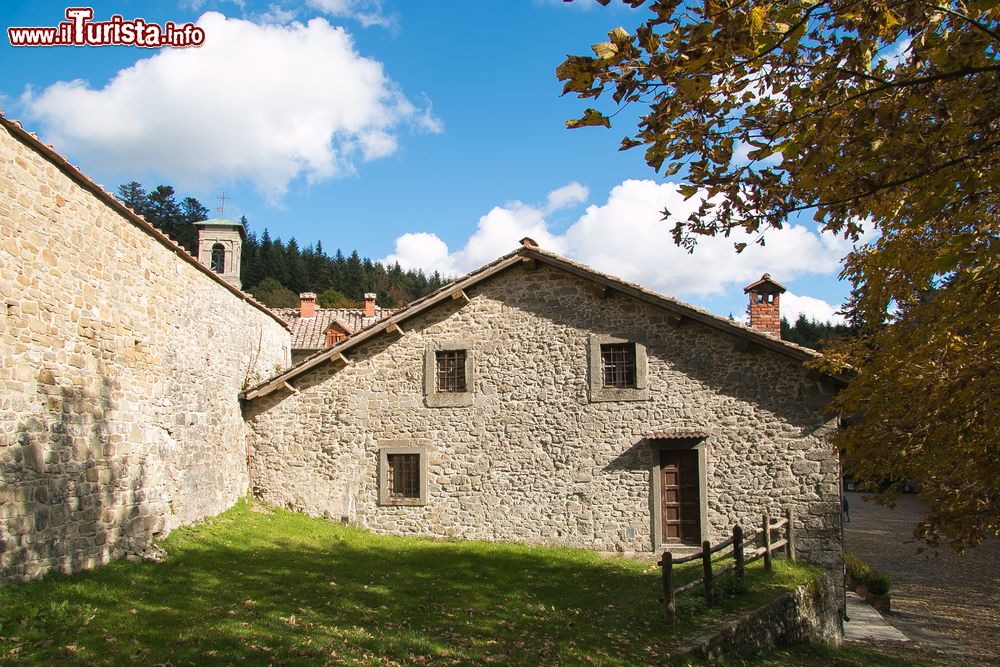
(426, 132)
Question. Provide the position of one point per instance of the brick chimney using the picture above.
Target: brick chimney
(765, 311)
(369, 304)
(307, 304)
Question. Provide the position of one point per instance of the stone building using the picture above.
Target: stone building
(533, 400)
(538, 400)
(121, 359)
(315, 329)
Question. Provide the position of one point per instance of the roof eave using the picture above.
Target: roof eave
(74, 174)
(398, 317)
(513, 259)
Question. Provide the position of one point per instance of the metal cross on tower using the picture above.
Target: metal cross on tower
(220, 209)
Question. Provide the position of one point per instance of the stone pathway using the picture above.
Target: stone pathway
(867, 625)
(944, 603)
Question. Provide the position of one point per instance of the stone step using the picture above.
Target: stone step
(680, 550)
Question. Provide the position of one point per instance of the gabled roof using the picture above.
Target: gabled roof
(309, 333)
(531, 255)
(225, 223)
(30, 140)
(765, 284)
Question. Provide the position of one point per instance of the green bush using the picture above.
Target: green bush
(876, 581)
(857, 569)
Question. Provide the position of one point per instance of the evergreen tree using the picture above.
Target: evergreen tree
(813, 334)
(354, 277)
(276, 262)
(298, 271)
(250, 265)
(191, 211)
(278, 272)
(133, 195)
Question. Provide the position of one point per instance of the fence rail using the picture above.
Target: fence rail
(736, 544)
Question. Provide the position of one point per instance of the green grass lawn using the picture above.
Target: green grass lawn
(262, 586)
(888, 654)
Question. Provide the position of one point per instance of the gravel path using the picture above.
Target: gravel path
(946, 603)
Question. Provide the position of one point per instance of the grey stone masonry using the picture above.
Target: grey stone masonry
(120, 366)
(530, 455)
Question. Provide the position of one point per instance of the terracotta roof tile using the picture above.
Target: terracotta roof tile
(309, 333)
(512, 259)
(678, 434)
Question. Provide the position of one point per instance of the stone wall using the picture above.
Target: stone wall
(120, 367)
(533, 458)
(809, 613)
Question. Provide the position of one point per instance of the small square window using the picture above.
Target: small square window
(618, 365)
(403, 476)
(451, 371)
(617, 369)
(449, 374)
(402, 473)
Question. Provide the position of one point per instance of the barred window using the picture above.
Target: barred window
(403, 475)
(618, 363)
(451, 371)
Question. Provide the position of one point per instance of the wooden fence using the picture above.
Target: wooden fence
(737, 545)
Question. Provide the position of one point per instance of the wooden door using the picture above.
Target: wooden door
(679, 496)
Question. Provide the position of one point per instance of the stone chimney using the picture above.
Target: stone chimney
(307, 304)
(765, 311)
(369, 304)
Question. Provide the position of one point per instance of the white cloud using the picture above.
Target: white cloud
(895, 55)
(626, 237)
(496, 234)
(231, 110)
(422, 250)
(741, 156)
(366, 12)
(276, 14)
(568, 195)
(198, 4)
(793, 305)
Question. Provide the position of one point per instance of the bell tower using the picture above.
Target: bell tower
(220, 246)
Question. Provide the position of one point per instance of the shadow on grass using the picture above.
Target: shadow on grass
(263, 587)
(890, 654)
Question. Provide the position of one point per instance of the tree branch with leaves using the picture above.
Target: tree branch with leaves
(881, 119)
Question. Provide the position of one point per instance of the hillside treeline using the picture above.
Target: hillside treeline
(276, 271)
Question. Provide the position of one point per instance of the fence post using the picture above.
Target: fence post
(706, 563)
(789, 535)
(738, 552)
(766, 526)
(669, 607)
